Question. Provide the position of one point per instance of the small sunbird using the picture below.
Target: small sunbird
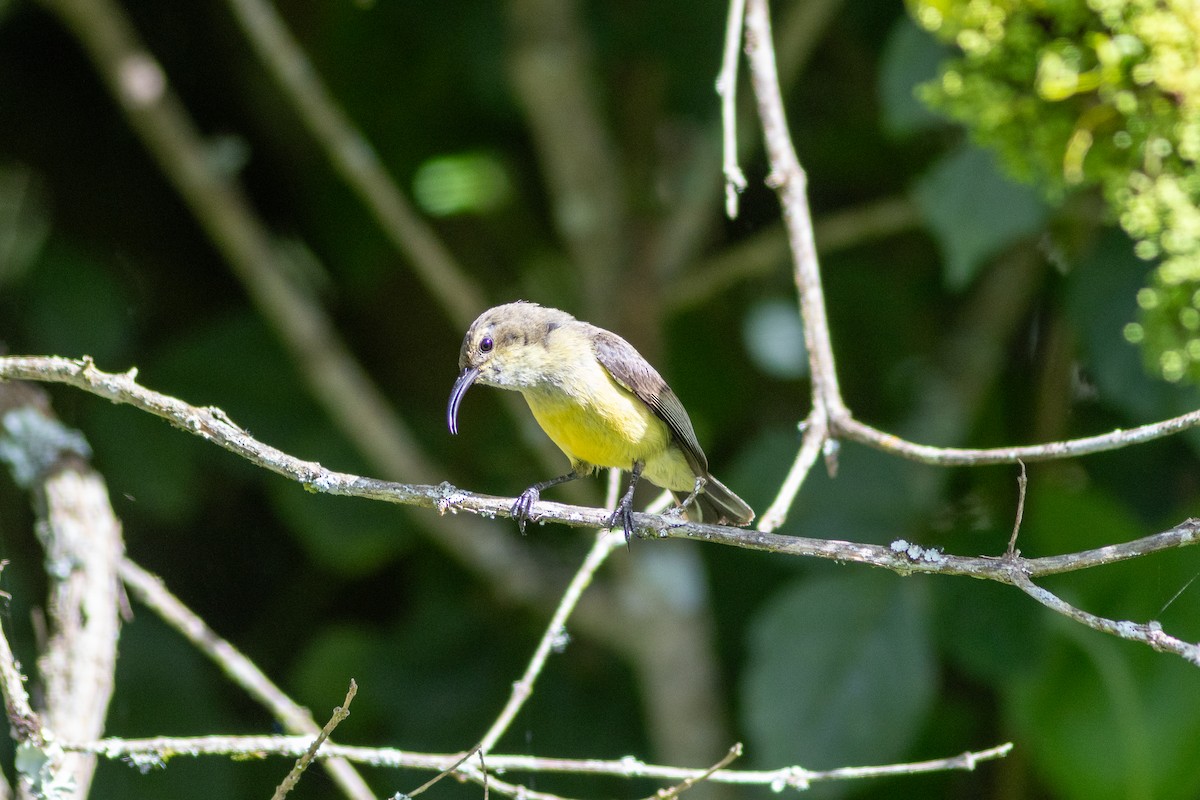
(599, 401)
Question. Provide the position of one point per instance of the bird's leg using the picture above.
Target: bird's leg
(624, 510)
(524, 504)
(681, 509)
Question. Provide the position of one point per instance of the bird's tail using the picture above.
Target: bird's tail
(717, 505)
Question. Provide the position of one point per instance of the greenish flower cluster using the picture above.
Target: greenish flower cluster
(1077, 93)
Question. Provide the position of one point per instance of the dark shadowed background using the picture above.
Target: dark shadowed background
(569, 153)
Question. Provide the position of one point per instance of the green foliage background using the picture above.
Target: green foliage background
(983, 314)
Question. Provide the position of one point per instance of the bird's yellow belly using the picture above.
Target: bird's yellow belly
(605, 426)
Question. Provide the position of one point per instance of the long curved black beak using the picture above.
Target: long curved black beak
(461, 385)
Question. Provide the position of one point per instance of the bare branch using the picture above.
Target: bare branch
(790, 183)
(1148, 633)
(290, 746)
(900, 556)
(82, 540)
(735, 180)
(1022, 485)
(815, 434)
(850, 428)
(734, 753)
(447, 771)
(24, 726)
(552, 75)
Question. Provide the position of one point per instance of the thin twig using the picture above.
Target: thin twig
(1149, 633)
(686, 231)
(450, 770)
(293, 777)
(734, 753)
(554, 638)
(292, 746)
(727, 78)
(789, 180)
(849, 428)
(1022, 485)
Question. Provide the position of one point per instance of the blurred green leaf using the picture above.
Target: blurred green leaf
(1100, 299)
(24, 218)
(150, 463)
(461, 183)
(975, 212)
(1106, 719)
(774, 337)
(76, 308)
(910, 58)
(348, 535)
(991, 632)
(840, 671)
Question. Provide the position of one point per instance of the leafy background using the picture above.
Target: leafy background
(966, 309)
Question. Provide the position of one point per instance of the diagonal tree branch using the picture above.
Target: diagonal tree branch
(357, 162)
(552, 75)
(149, 590)
(900, 556)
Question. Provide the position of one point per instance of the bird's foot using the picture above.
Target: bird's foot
(523, 507)
(623, 515)
(677, 512)
(691, 498)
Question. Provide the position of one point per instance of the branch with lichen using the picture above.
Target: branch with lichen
(901, 557)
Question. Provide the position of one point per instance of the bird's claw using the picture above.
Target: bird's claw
(691, 498)
(522, 509)
(677, 512)
(622, 514)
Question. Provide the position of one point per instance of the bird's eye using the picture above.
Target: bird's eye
(486, 344)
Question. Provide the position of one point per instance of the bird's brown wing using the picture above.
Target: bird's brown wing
(628, 368)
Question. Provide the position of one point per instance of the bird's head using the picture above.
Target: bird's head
(507, 346)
